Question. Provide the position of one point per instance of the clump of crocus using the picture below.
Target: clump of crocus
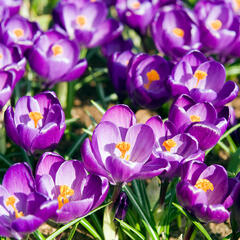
(120, 148)
(202, 79)
(205, 191)
(37, 123)
(87, 22)
(23, 210)
(67, 185)
(175, 31)
(56, 58)
(147, 78)
(18, 30)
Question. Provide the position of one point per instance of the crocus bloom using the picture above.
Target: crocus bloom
(12, 6)
(171, 147)
(202, 79)
(201, 120)
(17, 30)
(147, 77)
(120, 148)
(205, 191)
(175, 32)
(22, 210)
(88, 24)
(67, 185)
(11, 59)
(56, 58)
(218, 25)
(38, 122)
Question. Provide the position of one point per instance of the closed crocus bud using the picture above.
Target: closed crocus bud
(17, 30)
(218, 26)
(88, 24)
(11, 59)
(147, 78)
(121, 206)
(67, 185)
(37, 123)
(175, 31)
(23, 210)
(206, 191)
(202, 79)
(56, 58)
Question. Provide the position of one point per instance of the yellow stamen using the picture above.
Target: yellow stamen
(57, 50)
(123, 148)
(151, 76)
(195, 118)
(136, 5)
(178, 32)
(1, 56)
(81, 20)
(204, 185)
(199, 75)
(35, 116)
(216, 24)
(65, 192)
(11, 202)
(18, 32)
(237, 5)
(168, 144)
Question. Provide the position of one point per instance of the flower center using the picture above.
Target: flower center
(204, 185)
(151, 76)
(18, 32)
(136, 5)
(168, 144)
(123, 147)
(237, 5)
(178, 32)
(1, 56)
(57, 50)
(199, 75)
(216, 24)
(35, 116)
(65, 192)
(81, 20)
(11, 202)
(195, 118)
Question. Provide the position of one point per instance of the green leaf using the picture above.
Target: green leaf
(90, 228)
(194, 221)
(234, 162)
(38, 235)
(73, 231)
(153, 191)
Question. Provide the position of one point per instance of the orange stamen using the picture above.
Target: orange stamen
(123, 147)
(216, 24)
(11, 202)
(18, 32)
(168, 144)
(178, 32)
(35, 116)
(199, 75)
(195, 118)
(136, 5)
(65, 192)
(81, 21)
(204, 185)
(57, 50)
(1, 56)
(151, 76)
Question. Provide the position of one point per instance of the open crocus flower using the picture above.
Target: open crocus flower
(17, 30)
(67, 185)
(201, 120)
(171, 147)
(176, 27)
(202, 79)
(11, 59)
(120, 149)
(88, 24)
(56, 58)
(205, 191)
(218, 25)
(147, 78)
(38, 122)
(22, 210)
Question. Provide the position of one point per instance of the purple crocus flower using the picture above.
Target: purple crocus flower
(147, 77)
(68, 186)
(202, 79)
(205, 191)
(11, 59)
(171, 147)
(38, 122)
(117, 65)
(218, 25)
(22, 210)
(201, 120)
(56, 58)
(120, 148)
(17, 30)
(12, 6)
(88, 24)
(178, 28)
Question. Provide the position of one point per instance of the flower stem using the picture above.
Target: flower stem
(116, 192)
(163, 191)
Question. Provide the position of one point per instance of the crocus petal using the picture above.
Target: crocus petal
(46, 186)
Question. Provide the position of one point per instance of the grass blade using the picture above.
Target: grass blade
(90, 228)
